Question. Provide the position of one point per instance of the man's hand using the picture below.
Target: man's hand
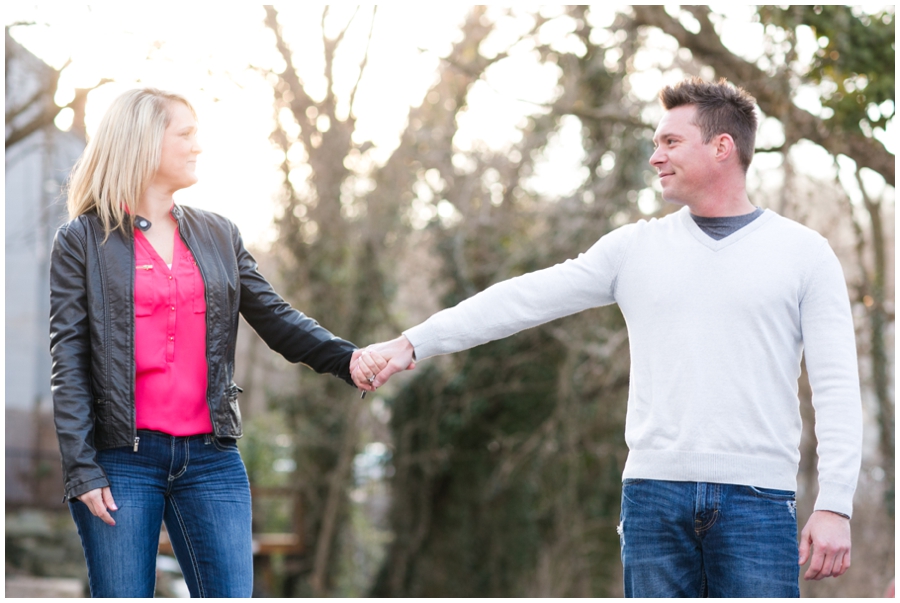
(828, 535)
(98, 501)
(399, 355)
(364, 366)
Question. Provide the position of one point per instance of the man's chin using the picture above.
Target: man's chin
(671, 199)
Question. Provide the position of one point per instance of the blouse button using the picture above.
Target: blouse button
(170, 277)
(171, 339)
(173, 308)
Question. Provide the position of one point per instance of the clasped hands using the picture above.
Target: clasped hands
(372, 366)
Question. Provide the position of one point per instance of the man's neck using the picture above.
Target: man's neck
(722, 199)
(723, 194)
(717, 208)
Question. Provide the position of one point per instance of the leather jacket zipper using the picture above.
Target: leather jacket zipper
(133, 326)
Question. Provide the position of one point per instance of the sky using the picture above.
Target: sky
(207, 57)
(217, 59)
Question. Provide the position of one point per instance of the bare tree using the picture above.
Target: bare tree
(772, 93)
(508, 457)
(35, 109)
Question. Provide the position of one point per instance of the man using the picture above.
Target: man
(721, 300)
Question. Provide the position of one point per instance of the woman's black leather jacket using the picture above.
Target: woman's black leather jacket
(92, 334)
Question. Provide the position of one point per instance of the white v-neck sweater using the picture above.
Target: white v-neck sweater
(716, 331)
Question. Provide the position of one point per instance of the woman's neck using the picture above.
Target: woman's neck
(155, 205)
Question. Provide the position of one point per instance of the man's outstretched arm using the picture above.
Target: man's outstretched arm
(513, 305)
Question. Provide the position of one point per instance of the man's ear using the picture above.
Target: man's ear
(725, 147)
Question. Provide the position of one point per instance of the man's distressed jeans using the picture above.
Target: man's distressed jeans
(688, 539)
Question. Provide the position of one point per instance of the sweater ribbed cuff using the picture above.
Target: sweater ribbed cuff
(835, 497)
(421, 350)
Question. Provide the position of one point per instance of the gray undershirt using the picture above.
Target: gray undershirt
(719, 228)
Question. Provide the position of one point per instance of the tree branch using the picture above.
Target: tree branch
(334, 502)
(301, 101)
(46, 116)
(708, 48)
(329, 48)
(364, 62)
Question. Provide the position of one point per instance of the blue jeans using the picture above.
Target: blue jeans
(199, 486)
(688, 539)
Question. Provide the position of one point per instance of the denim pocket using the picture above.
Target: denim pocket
(635, 491)
(772, 493)
(225, 444)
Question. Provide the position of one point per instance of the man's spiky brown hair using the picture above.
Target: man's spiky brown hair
(722, 108)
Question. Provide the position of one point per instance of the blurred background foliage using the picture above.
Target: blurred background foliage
(508, 457)
(503, 465)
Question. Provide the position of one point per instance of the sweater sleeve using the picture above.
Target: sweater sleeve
(830, 350)
(526, 301)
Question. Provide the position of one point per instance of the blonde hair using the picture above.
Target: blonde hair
(121, 159)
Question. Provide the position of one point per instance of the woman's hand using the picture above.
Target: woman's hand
(399, 354)
(100, 502)
(364, 365)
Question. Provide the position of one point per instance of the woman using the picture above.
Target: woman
(145, 296)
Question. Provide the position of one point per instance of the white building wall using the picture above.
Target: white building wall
(36, 169)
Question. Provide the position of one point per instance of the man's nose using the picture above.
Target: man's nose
(656, 157)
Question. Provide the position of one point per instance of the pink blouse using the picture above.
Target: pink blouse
(169, 341)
